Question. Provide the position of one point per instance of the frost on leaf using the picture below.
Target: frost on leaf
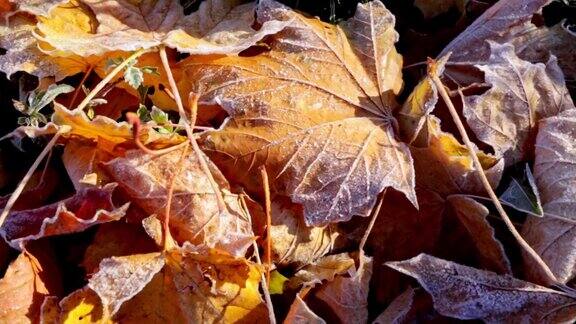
(466, 293)
(315, 110)
(521, 94)
(299, 312)
(195, 214)
(555, 175)
(218, 27)
(398, 309)
(87, 208)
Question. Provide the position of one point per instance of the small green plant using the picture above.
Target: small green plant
(35, 101)
(157, 116)
(133, 75)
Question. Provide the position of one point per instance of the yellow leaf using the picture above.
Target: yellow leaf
(277, 281)
(315, 110)
(82, 306)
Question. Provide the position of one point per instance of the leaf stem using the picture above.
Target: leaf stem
(18, 191)
(190, 131)
(549, 275)
(79, 87)
(364, 239)
(267, 209)
(167, 243)
(108, 78)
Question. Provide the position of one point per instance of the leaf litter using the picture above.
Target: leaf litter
(208, 165)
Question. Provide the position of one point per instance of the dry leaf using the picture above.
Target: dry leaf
(398, 309)
(121, 278)
(87, 208)
(81, 160)
(195, 215)
(315, 110)
(292, 240)
(300, 313)
(347, 296)
(324, 269)
(22, 291)
(467, 293)
(37, 7)
(81, 306)
(473, 216)
(218, 27)
(555, 175)
(521, 94)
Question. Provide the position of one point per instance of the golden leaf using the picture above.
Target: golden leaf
(315, 110)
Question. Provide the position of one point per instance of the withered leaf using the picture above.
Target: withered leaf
(23, 288)
(555, 175)
(121, 278)
(473, 216)
(292, 240)
(347, 296)
(396, 312)
(218, 27)
(300, 313)
(86, 208)
(521, 94)
(324, 269)
(195, 214)
(37, 7)
(466, 293)
(315, 110)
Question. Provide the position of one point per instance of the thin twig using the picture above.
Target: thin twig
(550, 278)
(270, 307)
(267, 209)
(79, 87)
(364, 239)
(190, 131)
(18, 191)
(167, 243)
(108, 78)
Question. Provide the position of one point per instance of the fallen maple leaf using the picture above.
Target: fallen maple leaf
(555, 176)
(87, 208)
(521, 94)
(334, 149)
(467, 293)
(299, 312)
(195, 210)
(218, 27)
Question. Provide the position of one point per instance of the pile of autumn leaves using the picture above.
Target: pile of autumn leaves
(312, 108)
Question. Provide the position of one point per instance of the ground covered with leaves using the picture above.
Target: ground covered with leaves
(227, 161)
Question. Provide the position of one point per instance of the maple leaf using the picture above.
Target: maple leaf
(555, 176)
(23, 289)
(299, 312)
(196, 215)
(187, 284)
(315, 110)
(218, 27)
(398, 309)
(466, 293)
(473, 216)
(294, 242)
(521, 93)
(87, 208)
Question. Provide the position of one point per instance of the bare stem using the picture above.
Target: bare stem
(375, 214)
(267, 208)
(79, 87)
(270, 307)
(134, 120)
(29, 174)
(168, 243)
(550, 278)
(190, 131)
(108, 78)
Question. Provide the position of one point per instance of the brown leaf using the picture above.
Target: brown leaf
(396, 312)
(218, 27)
(521, 94)
(292, 240)
(300, 313)
(121, 278)
(195, 214)
(473, 216)
(334, 149)
(467, 293)
(81, 161)
(87, 208)
(22, 291)
(555, 174)
(37, 7)
(347, 296)
(324, 269)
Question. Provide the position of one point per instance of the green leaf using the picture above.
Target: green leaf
(133, 76)
(522, 194)
(46, 97)
(161, 118)
(143, 113)
(150, 70)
